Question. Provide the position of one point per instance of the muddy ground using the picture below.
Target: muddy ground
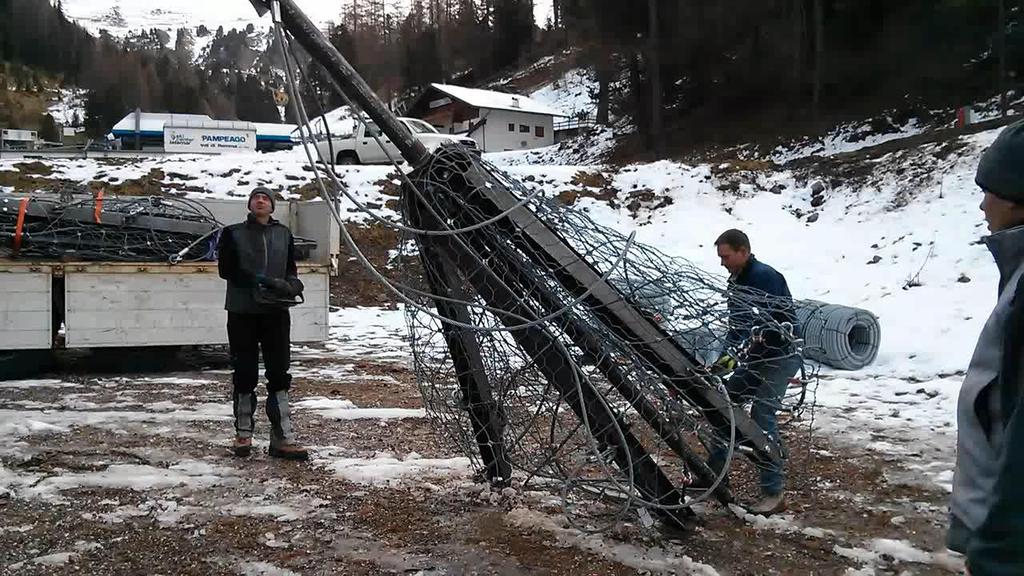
(131, 475)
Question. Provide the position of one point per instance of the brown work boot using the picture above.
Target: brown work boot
(769, 504)
(288, 451)
(282, 440)
(242, 447)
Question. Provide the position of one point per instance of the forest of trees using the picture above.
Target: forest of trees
(706, 69)
(728, 65)
(436, 40)
(148, 69)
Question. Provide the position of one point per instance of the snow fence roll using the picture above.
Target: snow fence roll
(839, 336)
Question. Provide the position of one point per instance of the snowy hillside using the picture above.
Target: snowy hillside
(119, 17)
(570, 94)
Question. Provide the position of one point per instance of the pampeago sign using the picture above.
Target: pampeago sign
(209, 140)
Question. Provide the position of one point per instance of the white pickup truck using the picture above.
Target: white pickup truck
(354, 142)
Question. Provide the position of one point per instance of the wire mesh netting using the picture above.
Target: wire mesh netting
(561, 353)
(127, 229)
(578, 402)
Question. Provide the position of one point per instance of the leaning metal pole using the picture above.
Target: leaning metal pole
(312, 40)
(452, 266)
(463, 348)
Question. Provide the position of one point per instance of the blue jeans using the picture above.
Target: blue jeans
(764, 382)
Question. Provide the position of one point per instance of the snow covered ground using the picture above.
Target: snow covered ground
(68, 108)
(899, 239)
(571, 94)
(117, 474)
(846, 138)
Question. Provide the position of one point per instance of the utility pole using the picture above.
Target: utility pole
(654, 70)
(1004, 104)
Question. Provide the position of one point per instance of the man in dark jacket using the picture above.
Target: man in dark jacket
(257, 258)
(987, 508)
(759, 299)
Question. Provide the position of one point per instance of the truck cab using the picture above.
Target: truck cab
(357, 142)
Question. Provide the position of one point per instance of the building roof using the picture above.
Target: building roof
(496, 100)
(153, 122)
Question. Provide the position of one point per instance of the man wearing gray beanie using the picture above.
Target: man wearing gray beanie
(987, 507)
(257, 258)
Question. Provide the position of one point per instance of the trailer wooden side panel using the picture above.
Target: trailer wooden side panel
(157, 305)
(26, 305)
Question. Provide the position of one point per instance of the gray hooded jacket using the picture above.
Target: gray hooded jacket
(984, 407)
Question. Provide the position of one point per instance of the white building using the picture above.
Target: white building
(13, 139)
(148, 130)
(499, 122)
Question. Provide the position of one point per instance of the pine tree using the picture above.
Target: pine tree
(48, 130)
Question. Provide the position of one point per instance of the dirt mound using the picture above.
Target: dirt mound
(354, 285)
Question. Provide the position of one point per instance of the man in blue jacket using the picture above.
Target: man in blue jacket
(987, 508)
(759, 305)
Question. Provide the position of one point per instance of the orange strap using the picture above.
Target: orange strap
(20, 226)
(99, 206)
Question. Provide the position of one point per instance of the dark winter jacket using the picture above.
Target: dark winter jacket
(988, 489)
(249, 253)
(761, 287)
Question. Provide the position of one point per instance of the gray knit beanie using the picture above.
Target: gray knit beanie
(1001, 170)
(264, 191)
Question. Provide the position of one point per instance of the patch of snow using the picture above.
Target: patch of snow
(18, 423)
(569, 94)
(263, 569)
(278, 512)
(991, 108)
(386, 469)
(377, 332)
(345, 410)
(19, 529)
(782, 523)
(136, 477)
(652, 559)
(39, 384)
(882, 551)
(847, 138)
(68, 107)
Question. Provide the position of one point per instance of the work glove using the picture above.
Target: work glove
(725, 364)
(278, 285)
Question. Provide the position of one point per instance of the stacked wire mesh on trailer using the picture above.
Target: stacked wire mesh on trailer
(550, 349)
(93, 228)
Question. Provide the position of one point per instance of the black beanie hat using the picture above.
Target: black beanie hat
(261, 190)
(1001, 170)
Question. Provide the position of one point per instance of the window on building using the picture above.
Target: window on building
(538, 131)
(524, 128)
(511, 127)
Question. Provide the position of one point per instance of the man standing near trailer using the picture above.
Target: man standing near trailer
(257, 258)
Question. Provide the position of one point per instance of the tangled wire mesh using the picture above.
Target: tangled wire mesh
(566, 399)
(607, 391)
(125, 229)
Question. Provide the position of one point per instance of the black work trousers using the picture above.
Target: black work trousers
(248, 334)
